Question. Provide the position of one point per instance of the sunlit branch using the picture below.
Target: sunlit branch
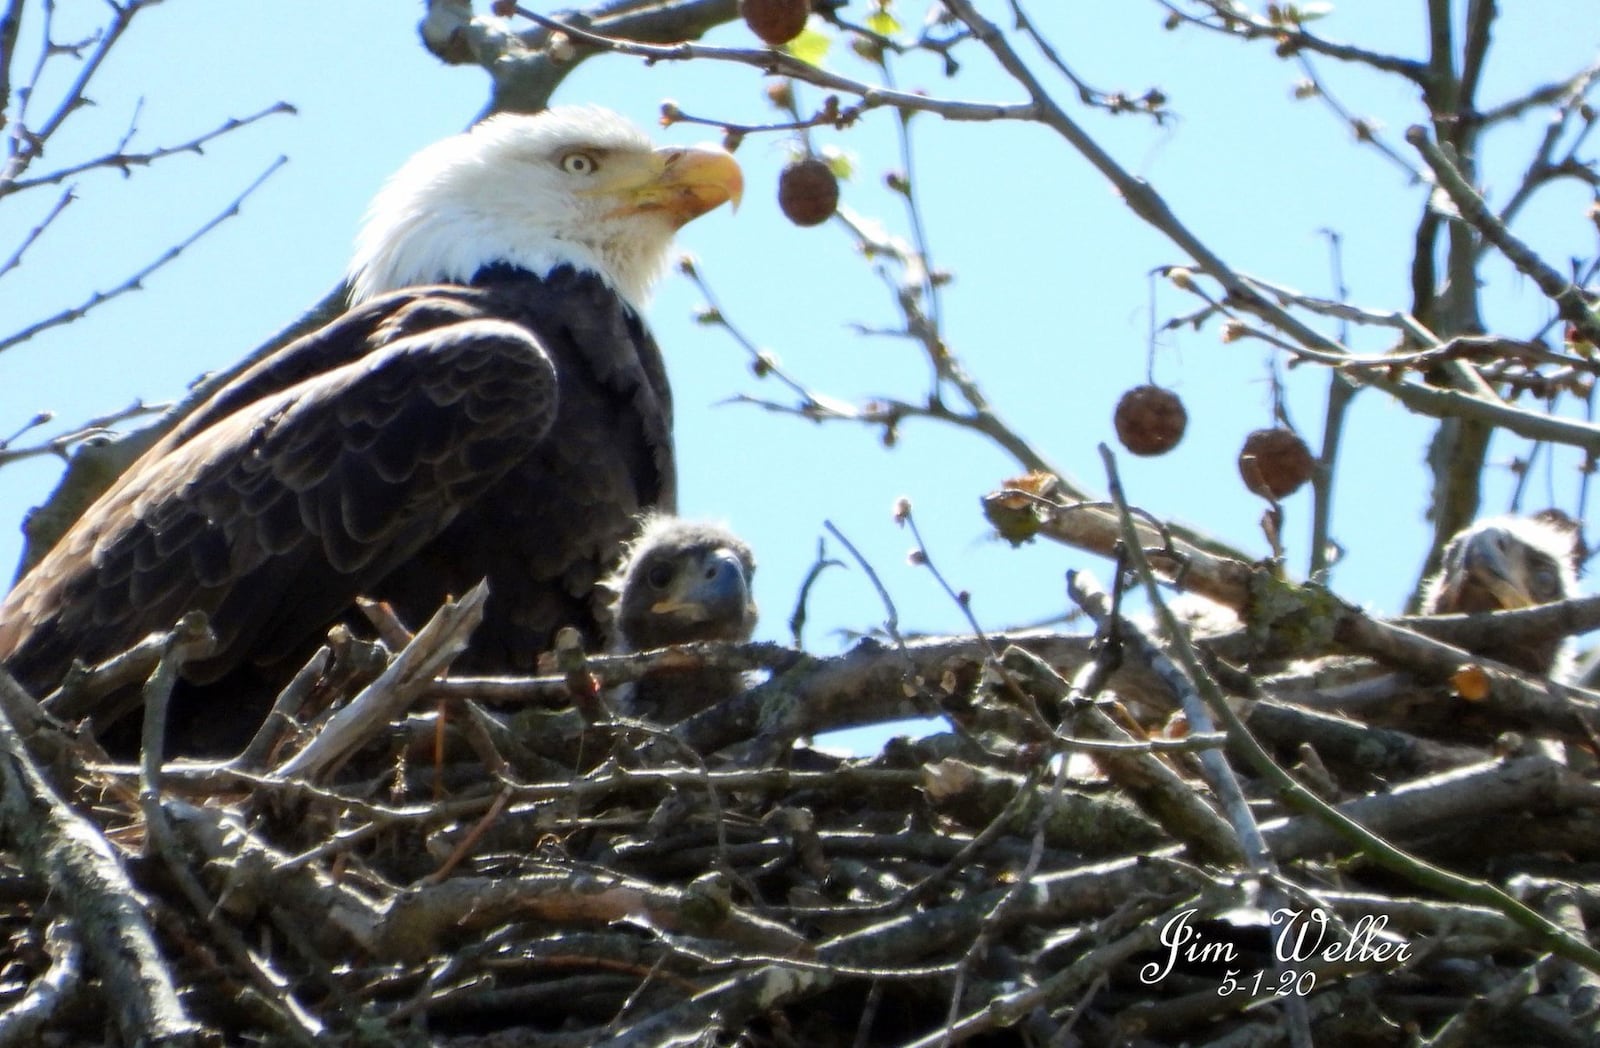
(762, 362)
(124, 162)
(919, 230)
(1544, 95)
(828, 116)
(1236, 21)
(780, 63)
(1362, 128)
(1569, 300)
(28, 142)
(1540, 169)
(1151, 102)
(60, 445)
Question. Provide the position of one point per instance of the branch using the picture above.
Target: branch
(10, 24)
(1546, 94)
(527, 68)
(1569, 300)
(27, 142)
(86, 879)
(781, 63)
(92, 429)
(1114, 102)
(1363, 129)
(125, 162)
(51, 993)
(1291, 38)
(409, 676)
(136, 281)
(37, 231)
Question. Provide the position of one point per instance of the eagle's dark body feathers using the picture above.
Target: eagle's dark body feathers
(571, 504)
(512, 429)
(492, 406)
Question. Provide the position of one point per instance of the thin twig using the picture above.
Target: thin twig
(136, 281)
(1568, 298)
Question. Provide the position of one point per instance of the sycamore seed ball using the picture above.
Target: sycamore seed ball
(1150, 420)
(808, 192)
(1275, 462)
(776, 22)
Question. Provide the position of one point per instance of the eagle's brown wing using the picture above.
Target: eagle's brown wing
(300, 485)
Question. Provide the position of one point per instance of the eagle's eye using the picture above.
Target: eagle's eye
(659, 575)
(579, 164)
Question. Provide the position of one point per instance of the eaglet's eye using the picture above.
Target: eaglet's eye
(578, 164)
(659, 575)
(1546, 584)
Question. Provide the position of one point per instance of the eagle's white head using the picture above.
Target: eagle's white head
(574, 185)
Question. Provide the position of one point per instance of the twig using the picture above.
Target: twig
(1151, 102)
(28, 140)
(1340, 393)
(258, 751)
(51, 993)
(192, 639)
(1292, 38)
(779, 63)
(762, 362)
(408, 677)
(136, 281)
(1569, 300)
(125, 162)
(797, 619)
(95, 427)
(61, 847)
(923, 558)
(67, 197)
(1360, 127)
(1540, 169)
(891, 623)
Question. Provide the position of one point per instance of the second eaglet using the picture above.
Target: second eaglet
(493, 405)
(1502, 563)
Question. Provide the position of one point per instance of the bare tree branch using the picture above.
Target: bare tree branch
(1569, 300)
(135, 281)
(61, 847)
(121, 160)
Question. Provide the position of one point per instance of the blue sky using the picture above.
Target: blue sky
(1048, 310)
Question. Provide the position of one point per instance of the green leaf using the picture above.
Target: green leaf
(842, 164)
(1313, 11)
(811, 46)
(883, 23)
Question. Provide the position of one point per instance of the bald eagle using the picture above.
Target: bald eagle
(1501, 563)
(492, 405)
(682, 581)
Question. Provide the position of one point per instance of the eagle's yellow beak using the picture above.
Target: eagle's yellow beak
(681, 182)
